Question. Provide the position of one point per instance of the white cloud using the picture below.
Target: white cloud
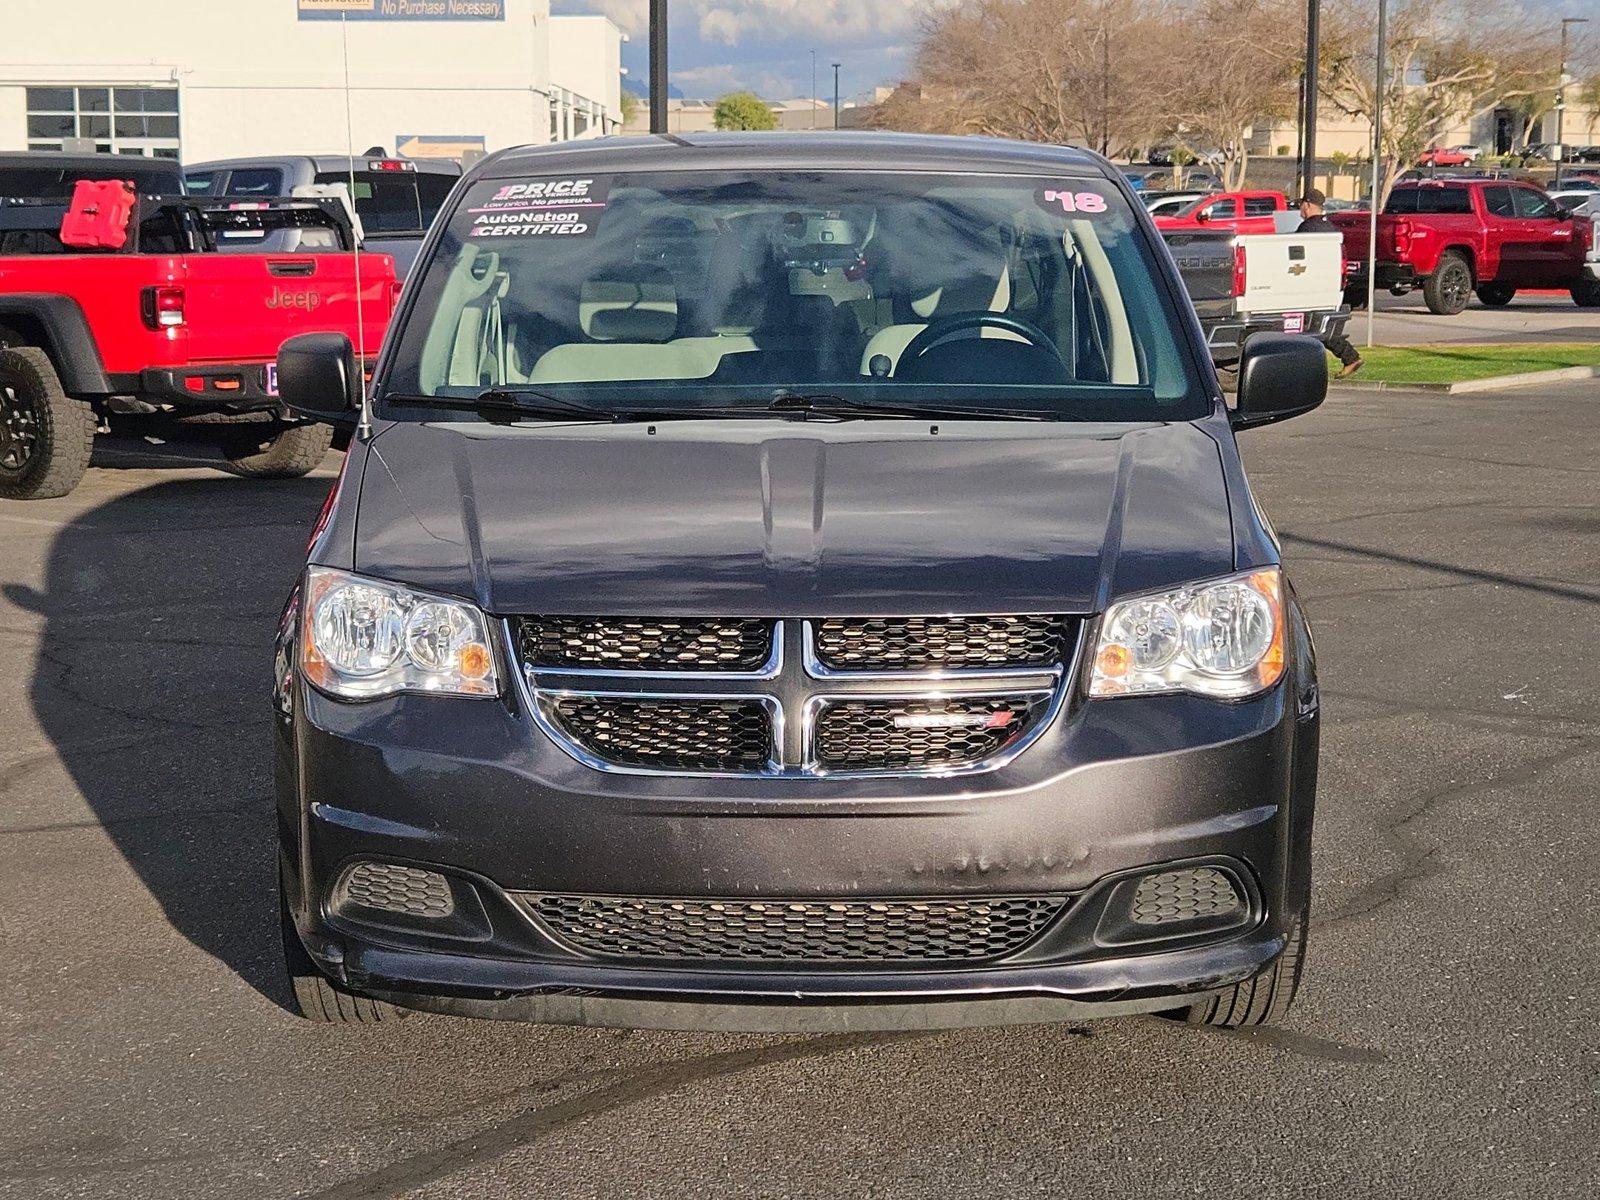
(732, 21)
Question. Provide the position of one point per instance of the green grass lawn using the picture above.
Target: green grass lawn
(1453, 364)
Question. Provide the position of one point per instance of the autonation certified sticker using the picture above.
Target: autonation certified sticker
(537, 208)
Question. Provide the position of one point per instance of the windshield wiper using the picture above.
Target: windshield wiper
(823, 404)
(505, 405)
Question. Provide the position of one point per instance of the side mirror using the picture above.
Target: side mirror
(317, 375)
(1281, 375)
(1203, 216)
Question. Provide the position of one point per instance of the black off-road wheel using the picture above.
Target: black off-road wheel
(1450, 286)
(1263, 1000)
(276, 451)
(45, 435)
(1586, 293)
(316, 997)
(1496, 295)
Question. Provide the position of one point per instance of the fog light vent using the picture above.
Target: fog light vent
(1191, 895)
(393, 888)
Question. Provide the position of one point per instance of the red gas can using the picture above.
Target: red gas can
(98, 216)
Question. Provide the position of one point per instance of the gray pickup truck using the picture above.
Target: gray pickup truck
(1246, 283)
(396, 199)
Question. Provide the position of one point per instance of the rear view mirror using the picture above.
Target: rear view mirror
(317, 375)
(1281, 375)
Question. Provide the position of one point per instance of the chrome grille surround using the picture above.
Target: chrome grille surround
(799, 692)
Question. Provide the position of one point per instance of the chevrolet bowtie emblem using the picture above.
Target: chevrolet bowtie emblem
(1297, 268)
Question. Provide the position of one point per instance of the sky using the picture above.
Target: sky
(718, 46)
(764, 46)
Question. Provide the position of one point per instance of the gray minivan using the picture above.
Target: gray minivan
(396, 198)
(795, 581)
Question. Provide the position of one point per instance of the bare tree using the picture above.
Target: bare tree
(1044, 70)
(1228, 65)
(1448, 61)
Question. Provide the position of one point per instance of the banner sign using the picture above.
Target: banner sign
(401, 10)
(440, 145)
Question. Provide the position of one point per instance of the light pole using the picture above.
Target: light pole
(836, 67)
(1561, 92)
(1377, 168)
(1308, 96)
(813, 89)
(658, 66)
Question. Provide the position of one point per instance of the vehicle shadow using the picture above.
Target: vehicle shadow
(151, 682)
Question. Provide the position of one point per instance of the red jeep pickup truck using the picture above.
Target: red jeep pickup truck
(177, 326)
(1452, 236)
(1235, 212)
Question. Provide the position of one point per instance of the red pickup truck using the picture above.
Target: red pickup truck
(1449, 237)
(1235, 212)
(176, 326)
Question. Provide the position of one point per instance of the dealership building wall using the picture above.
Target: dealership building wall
(203, 79)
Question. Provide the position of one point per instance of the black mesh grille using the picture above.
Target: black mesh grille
(1187, 895)
(941, 643)
(899, 734)
(670, 735)
(796, 930)
(393, 888)
(645, 644)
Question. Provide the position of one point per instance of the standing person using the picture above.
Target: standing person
(1314, 220)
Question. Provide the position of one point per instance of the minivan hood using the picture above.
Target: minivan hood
(759, 517)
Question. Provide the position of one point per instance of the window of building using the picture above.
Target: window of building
(118, 120)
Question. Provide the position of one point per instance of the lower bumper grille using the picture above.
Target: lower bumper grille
(922, 734)
(800, 931)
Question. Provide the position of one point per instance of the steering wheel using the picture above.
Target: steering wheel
(937, 331)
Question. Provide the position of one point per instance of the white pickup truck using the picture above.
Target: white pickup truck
(1261, 282)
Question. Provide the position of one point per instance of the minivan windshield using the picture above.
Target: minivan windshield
(721, 289)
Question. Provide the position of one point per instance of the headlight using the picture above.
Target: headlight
(363, 638)
(1223, 638)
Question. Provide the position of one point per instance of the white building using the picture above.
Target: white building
(204, 79)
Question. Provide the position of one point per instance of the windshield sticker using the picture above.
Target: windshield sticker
(538, 208)
(1084, 203)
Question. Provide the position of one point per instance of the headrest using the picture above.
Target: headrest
(973, 294)
(644, 309)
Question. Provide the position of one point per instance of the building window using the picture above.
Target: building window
(118, 120)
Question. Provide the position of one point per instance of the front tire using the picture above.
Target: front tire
(1496, 295)
(316, 997)
(288, 453)
(1450, 286)
(46, 436)
(1263, 1000)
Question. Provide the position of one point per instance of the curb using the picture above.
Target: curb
(1493, 383)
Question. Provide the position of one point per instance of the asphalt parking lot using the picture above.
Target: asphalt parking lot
(1448, 549)
(1530, 317)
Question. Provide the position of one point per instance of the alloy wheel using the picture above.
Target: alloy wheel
(19, 429)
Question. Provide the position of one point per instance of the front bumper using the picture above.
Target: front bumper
(1110, 790)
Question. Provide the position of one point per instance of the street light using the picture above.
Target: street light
(658, 66)
(1308, 97)
(836, 67)
(1561, 91)
(1377, 168)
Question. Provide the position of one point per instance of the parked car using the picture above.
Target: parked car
(1453, 237)
(733, 632)
(1164, 204)
(167, 309)
(48, 175)
(1244, 284)
(1438, 156)
(1238, 212)
(1545, 152)
(396, 199)
(1584, 154)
